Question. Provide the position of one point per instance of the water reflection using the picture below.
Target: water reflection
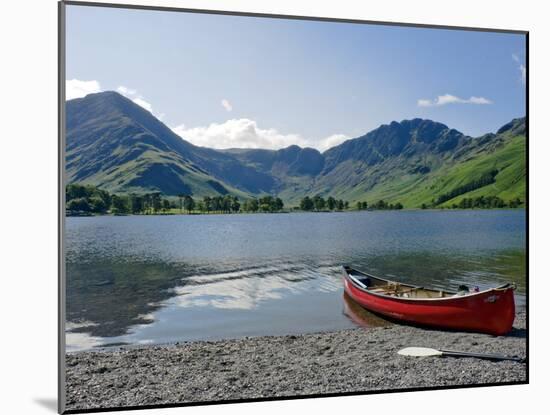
(248, 288)
(360, 316)
(115, 295)
(142, 280)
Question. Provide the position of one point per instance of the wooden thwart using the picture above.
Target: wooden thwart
(394, 289)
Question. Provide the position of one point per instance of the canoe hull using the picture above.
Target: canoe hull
(491, 311)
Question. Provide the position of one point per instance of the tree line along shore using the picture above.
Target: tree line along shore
(85, 200)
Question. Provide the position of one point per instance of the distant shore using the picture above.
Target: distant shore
(290, 211)
(354, 360)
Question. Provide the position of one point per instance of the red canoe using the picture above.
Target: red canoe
(491, 311)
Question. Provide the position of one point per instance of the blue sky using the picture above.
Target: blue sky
(227, 81)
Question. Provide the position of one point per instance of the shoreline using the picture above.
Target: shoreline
(351, 360)
(298, 211)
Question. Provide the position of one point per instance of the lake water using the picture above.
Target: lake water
(158, 279)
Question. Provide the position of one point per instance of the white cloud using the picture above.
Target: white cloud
(78, 89)
(245, 133)
(424, 103)
(331, 141)
(126, 91)
(227, 105)
(142, 103)
(522, 68)
(452, 99)
(136, 98)
(479, 101)
(238, 133)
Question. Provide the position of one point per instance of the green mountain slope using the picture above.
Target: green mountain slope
(509, 160)
(418, 171)
(118, 146)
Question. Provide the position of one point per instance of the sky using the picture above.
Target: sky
(232, 81)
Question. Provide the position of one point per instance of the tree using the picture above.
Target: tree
(235, 205)
(484, 180)
(216, 203)
(165, 205)
(207, 203)
(78, 205)
(424, 206)
(251, 205)
(346, 205)
(515, 203)
(78, 191)
(188, 203)
(266, 204)
(87, 198)
(145, 200)
(319, 202)
(97, 205)
(120, 204)
(180, 197)
(75, 191)
(156, 202)
(278, 204)
(136, 203)
(226, 203)
(398, 206)
(380, 205)
(306, 204)
(331, 203)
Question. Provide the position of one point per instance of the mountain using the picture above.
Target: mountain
(119, 146)
(290, 161)
(407, 138)
(417, 161)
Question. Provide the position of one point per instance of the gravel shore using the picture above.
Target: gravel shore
(355, 360)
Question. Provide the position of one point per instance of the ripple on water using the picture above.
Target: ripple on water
(141, 280)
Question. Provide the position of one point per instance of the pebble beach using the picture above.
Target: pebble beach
(354, 360)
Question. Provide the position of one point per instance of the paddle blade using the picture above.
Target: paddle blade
(419, 352)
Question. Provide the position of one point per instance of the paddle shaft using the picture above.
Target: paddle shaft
(452, 353)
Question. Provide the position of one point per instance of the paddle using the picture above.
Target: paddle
(426, 351)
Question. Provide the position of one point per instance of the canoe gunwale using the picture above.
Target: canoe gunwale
(350, 278)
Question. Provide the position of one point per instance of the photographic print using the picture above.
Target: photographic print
(266, 207)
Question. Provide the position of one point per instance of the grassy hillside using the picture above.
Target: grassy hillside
(114, 144)
(510, 161)
(118, 146)
(406, 179)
